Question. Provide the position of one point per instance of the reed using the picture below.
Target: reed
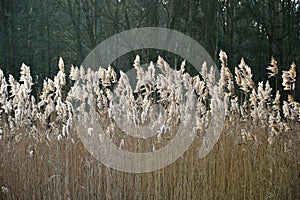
(256, 156)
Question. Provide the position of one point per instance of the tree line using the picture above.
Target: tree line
(38, 32)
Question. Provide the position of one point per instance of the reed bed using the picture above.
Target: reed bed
(256, 156)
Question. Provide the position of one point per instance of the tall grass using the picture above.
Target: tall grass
(256, 157)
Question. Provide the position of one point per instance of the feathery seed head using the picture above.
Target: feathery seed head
(61, 65)
(272, 68)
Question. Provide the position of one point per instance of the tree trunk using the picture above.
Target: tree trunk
(50, 70)
(74, 9)
(227, 25)
(29, 33)
(277, 33)
(7, 14)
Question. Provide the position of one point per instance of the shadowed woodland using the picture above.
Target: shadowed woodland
(38, 32)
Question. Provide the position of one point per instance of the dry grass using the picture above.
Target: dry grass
(256, 156)
(233, 170)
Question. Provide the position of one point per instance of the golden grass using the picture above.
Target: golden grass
(233, 170)
(256, 157)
